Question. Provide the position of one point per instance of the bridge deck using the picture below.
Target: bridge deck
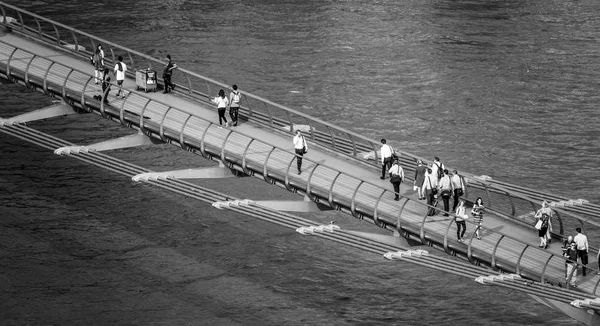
(356, 186)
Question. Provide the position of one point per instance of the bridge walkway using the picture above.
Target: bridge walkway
(355, 188)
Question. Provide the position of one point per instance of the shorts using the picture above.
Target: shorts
(119, 82)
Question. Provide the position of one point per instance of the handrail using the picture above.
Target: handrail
(331, 139)
(273, 148)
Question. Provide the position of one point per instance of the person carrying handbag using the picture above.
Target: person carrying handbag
(461, 217)
(396, 176)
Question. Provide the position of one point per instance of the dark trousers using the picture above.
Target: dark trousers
(233, 113)
(299, 153)
(461, 225)
(456, 198)
(583, 255)
(397, 189)
(167, 81)
(222, 115)
(385, 167)
(446, 200)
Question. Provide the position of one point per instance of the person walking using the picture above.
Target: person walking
(98, 62)
(582, 249)
(571, 255)
(386, 157)
(431, 186)
(234, 105)
(222, 103)
(300, 148)
(168, 73)
(566, 246)
(119, 71)
(477, 211)
(396, 177)
(105, 85)
(445, 191)
(543, 216)
(461, 217)
(420, 171)
(458, 186)
(438, 168)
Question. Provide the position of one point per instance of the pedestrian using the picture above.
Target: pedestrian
(445, 186)
(430, 186)
(477, 211)
(437, 167)
(119, 71)
(234, 105)
(458, 186)
(543, 216)
(582, 249)
(105, 85)
(396, 177)
(571, 255)
(300, 148)
(461, 217)
(168, 73)
(386, 157)
(420, 171)
(222, 103)
(565, 248)
(98, 62)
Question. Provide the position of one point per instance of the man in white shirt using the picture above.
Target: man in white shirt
(458, 186)
(445, 186)
(396, 170)
(429, 184)
(119, 71)
(582, 249)
(437, 167)
(300, 148)
(386, 157)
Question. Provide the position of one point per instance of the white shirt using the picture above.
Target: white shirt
(430, 181)
(445, 183)
(120, 74)
(386, 151)
(456, 181)
(434, 167)
(397, 169)
(222, 102)
(581, 241)
(299, 142)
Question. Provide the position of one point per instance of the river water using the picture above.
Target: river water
(502, 88)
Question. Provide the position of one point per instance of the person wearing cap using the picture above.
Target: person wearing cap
(582, 249)
(386, 157)
(396, 177)
(571, 255)
(167, 73)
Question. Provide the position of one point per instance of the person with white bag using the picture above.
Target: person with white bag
(543, 216)
(461, 217)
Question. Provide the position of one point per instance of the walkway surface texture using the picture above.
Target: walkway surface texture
(336, 177)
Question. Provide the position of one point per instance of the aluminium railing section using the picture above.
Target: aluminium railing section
(177, 127)
(503, 198)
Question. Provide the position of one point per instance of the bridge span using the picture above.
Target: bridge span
(54, 59)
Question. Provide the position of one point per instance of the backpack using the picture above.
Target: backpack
(236, 97)
(440, 171)
(97, 59)
(120, 66)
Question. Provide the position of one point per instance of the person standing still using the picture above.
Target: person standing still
(119, 71)
(396, 177)
(98, 61)
(386, 157)
(168, 73)
(420, 171)
(300, 148)
(582, 249)
(234, 105)
(458, 186)
(222, 103)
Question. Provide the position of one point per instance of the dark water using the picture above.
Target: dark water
(502, 88)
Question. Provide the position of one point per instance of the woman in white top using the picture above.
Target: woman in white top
(222, 103)
(461, 216)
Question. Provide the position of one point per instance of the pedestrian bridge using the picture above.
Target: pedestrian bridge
(337, 173)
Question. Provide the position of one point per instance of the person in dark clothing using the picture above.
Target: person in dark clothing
(167, 74)
(105, 85)
(571, 255)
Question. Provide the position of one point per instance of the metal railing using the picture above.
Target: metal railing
(176, 126)
(505, 199)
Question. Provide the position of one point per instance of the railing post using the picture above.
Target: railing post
(130, 60)
(376, 156)
(181, 138)
(223, 158)
(58, 37)
(27, 71)
(560, 222)
(244, 163)
(22, 21)
(493, 264)
(332, 137)
(265, 172)
(352, 203)
(330, 197)
(287, 174)
(46, 77)
(83, 101)
(354, 151)
(308, 181)
(376, 206)
(77, 42)
(446, 249)
(8, 64)
(399, 218)
(142, 128)
(161, 131)
(39, 27)
(64, 86)
(542, 277)
(518, 267)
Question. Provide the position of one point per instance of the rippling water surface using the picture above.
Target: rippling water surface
(502, 88)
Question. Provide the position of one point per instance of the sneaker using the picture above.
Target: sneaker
(226, 124)
(381, 178)
(299, 172)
